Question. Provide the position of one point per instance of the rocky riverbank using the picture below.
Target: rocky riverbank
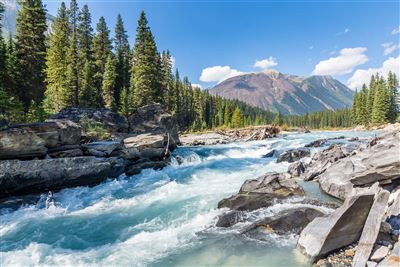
(51, 155)
(363, 231)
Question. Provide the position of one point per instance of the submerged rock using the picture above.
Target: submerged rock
(262, 192)
(35, 176)
(342, 227)
(293, 155)
(285, 222)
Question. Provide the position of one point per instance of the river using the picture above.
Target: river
(158, 218)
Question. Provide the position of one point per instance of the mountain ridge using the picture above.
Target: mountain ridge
(288, 94)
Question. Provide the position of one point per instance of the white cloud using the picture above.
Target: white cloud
(363, 76)
(389, 48)
(266, 63)
(197, 85)
(396, 30)
(218, 73)
(347, 30)
(348, 59)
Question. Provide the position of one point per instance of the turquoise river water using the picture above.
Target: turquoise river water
(158, 218)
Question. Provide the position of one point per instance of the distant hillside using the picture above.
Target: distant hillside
(289, 94)
(10, 17)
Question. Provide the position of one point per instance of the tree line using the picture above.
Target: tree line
(76, 65)
(375, 104)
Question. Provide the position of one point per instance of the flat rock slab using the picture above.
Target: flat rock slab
(371, 229)
(392, 260)
(37, 176)
(341, 228)
(379, 253)
(143, 141)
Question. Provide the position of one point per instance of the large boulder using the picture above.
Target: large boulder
(37, 176)
(137, 167)
(293, 155)
(285, 222)
(154, 120)
(339, 229)
(110, 120)
(322, 160)
(150, 146)
(262, 192)
(379, 161)
(21, 143)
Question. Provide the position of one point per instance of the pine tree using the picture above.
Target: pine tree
(31, 50)
(57, 90)
(88, 93)
(9, 84)
(278, 120)
(392, 84)
(166, 68)
(3, 69)
(146, 69)
(122, 51)
(380, 106)
(237, 118)
(109, 83)
(102, 48)
(125, 101)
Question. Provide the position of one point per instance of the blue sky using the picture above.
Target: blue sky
(213, 40)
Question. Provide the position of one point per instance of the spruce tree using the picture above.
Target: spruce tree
(237, 118)
(9, 83)
(380, 106)
(166, 68)
(278, 120)
(392, 85)
(87, 90)
(109, 83)
(101, 48)
(122, 51)
(146, 69)
(31, 50)
(57, 90)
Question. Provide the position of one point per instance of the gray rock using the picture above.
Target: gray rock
(96, 153)
(137, 167)
(371, 229)
(297, 168)
(271, 154)
(379, 253)
(106, 146)
(37, 176)
(21, 143)
(326, 234)
(293, 155)
(393, 259)
(287, 221)
(317, 143)
(110, 120)
(322, 160)
(379, 161)
(230, 218)
(143, 141)
(262, 192)
(67, 153)
(153, 119)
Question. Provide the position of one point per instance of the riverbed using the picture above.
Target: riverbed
(159, 218)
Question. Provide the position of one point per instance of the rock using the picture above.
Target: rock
(205, 139)
(394, 204)
(21, 143)
(271, 154)
(317, 143)
(137, 167)
(293, 155)
(286, 221)
(96, 153)
(371, 264)
(230, 218)
(37, 176)
(326, 234)
(393, 259)
(143, 141)
(322, 160)
(371, 229)
(354, 139)
(379, 161)
(106, 147)
(296, 168)
(63, 148)
(67, 153)
(110, 120)
(385, 228)
(154, 120)
(262, 192)
(379, 253)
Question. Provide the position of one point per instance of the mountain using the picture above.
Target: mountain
(11, 8)
(289, 94)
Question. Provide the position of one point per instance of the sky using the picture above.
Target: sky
(214, 40)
